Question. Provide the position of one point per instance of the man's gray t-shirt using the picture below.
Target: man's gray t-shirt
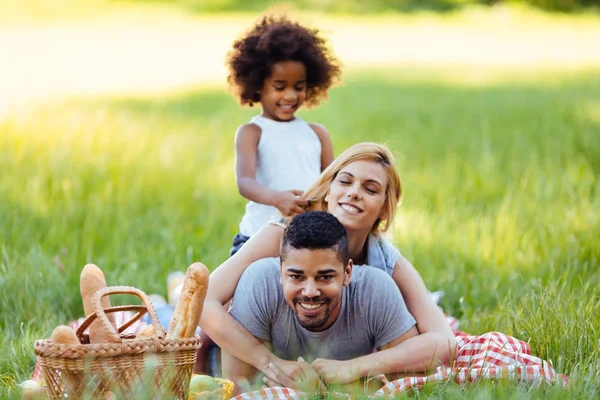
(373, 314)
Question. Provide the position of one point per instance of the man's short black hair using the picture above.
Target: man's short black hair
(316, 230)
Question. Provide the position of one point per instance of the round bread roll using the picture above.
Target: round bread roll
(63, 334)
(146, 333)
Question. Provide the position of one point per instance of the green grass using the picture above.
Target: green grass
(501, 206)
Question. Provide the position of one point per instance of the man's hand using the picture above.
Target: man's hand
(333, 371)
(289, 203)
(296, 375)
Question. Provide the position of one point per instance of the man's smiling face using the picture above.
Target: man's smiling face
(313, 282)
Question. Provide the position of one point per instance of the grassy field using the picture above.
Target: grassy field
(501, 210)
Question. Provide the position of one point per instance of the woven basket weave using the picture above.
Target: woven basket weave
(153, 367)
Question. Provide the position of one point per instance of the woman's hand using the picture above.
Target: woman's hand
(333, 371)
(281, 372)
(296, 375)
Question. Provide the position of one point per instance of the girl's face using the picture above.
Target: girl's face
(284, 91)
(357, 195)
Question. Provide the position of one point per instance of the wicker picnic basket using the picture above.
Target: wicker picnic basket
(153, 367)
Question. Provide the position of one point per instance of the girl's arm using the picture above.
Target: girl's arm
(326, 145)
(216, 321)
(246, 145)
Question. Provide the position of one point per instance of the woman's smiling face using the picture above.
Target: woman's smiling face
(357, 195)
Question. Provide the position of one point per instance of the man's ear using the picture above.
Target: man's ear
(348, 272)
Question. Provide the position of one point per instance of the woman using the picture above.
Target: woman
(362, 189)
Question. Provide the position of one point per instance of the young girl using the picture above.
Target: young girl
(281, 65)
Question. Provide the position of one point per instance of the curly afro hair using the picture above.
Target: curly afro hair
(271, 40)
(316, 230)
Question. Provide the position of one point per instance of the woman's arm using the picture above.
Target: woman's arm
(435, 343)
(216, 321)
(420, 350)
(348, 371)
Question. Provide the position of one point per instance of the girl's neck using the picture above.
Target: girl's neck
(357, 246)
(265, 116)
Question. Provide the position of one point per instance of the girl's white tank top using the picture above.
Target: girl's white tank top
(288, 157)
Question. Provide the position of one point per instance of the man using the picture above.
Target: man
(313, 305)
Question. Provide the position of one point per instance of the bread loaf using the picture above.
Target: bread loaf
(90, 281)
(146, 333)
(64, 335)
(189, 307)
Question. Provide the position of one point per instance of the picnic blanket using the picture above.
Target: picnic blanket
(492, 355)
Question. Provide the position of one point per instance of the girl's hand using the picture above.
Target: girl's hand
(333, 371)
(289, 203)
(296, 375)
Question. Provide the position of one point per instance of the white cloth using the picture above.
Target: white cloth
(288, 157)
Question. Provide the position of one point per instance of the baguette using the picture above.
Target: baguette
(189, 307)
(91, 280)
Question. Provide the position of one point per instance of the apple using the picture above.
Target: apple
(202, 383)
(31, 390)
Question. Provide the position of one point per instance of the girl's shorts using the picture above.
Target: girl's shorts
(238, 242)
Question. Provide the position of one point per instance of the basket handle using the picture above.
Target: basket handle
(100, 313)
(140, 311)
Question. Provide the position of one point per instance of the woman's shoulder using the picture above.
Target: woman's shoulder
(382, 254)
(279, 220)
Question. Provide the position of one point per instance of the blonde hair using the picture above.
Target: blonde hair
(365, 151)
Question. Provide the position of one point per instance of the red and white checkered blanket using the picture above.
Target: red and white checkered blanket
(493, 355)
